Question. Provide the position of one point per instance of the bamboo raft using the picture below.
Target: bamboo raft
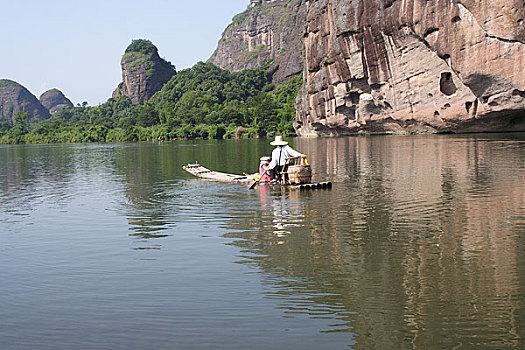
(205, 173)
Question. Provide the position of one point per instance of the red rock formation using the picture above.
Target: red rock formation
(269, 34)
(412, 66)
(16, 98)
(143, 72)
(55, 101)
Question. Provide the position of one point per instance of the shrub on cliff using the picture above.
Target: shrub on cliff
(141, 45)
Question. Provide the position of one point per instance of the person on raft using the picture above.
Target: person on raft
(280, 155)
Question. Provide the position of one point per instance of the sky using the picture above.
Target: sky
(76, 46)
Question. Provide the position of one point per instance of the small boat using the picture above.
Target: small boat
(205, 173)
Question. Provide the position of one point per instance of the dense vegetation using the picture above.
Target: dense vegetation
(141, 45)
(201, 102)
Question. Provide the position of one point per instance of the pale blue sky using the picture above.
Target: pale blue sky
(76, 46)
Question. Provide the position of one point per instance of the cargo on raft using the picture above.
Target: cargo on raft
(297, 175)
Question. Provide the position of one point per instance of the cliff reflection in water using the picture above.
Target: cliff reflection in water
(420, 242)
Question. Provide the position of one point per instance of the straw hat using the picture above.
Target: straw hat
(278, 141)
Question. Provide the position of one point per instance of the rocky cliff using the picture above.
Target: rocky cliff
(54, 101)
(412, 66)
(269, 33)
(389, 66)
(143, 72)
(14, 98)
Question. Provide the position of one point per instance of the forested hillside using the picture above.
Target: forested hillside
(201, 102)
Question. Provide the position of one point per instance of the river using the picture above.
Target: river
(420, 244)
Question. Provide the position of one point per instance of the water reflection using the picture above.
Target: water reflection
(157, 200)
(284, 212)
(50, 177)
(20, 171)
(147, 204)
(420, 242)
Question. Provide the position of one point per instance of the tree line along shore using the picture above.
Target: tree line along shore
(202, 102)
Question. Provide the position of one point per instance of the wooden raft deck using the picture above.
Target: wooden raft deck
(205, 173)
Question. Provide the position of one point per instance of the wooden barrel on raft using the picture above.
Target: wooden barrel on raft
(299, 174)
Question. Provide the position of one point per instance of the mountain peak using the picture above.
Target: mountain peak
(143, 71)
(14, 98)
(55, 101)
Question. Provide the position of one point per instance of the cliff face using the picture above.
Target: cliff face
(54, 101)
(143, 72)
(14, 98)
(412, 66)
(268, 33)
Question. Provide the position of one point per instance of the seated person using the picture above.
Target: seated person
(279, 156)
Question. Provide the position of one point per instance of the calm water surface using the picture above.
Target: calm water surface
(419, 245)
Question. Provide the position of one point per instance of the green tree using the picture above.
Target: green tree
(17, 133)
(147, 116)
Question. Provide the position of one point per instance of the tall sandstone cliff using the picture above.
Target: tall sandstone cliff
(269, 33)
(413, 66)
(143, 72)
(389, 66)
